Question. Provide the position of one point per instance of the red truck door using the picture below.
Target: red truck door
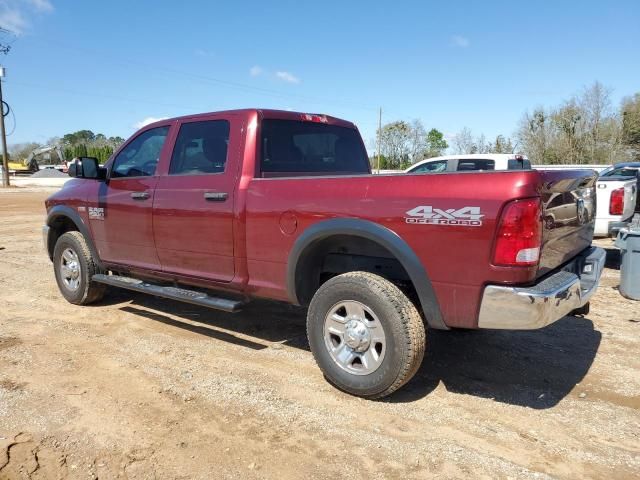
(121, 219)
(193, 204)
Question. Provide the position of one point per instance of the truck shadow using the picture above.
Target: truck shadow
(267, 322)
(534, 369)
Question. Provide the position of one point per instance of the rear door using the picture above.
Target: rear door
(194, 198)
(121, 218)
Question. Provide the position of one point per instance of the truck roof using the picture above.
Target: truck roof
(263, 113)
(479, 156)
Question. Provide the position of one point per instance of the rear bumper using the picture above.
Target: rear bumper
(516, 308)
(608, 227)
(614, 228)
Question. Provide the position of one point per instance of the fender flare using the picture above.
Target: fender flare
(384, 237)
(60, 211)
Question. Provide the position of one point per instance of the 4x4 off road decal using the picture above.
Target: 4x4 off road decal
(426, 214)
(96, 213)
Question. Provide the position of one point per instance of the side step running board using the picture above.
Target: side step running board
(174, 293)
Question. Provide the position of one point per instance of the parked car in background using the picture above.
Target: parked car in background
(564, 208)
(466, 163)
(617, 198)
(623, 171)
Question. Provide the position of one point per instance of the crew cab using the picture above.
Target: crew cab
(471, 162)
(219, 208)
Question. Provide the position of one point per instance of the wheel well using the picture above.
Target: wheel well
(337, 254)
(58, 227)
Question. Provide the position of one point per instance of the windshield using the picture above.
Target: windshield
(621, 171)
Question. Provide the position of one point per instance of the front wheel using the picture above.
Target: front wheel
(74, 266)
(365, 334)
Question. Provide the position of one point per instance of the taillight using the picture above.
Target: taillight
(519, 234)
(616, 204)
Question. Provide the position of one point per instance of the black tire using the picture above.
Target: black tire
(583, 310)
(86, 291)
(404, 333)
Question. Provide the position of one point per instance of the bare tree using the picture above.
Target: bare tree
(533, 135)
(395, 139)
(583, 129)
(569, 120)
(631, 125)
(463, 142)
(481, 145)
(595, 103)
(418, 141)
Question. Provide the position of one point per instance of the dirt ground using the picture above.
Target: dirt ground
(138, 387)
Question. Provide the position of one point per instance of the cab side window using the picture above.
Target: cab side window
(466, 165)
(140, 157)
(201, 148)
(431, 167)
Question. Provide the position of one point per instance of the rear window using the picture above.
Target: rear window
(476, 164)
(519, 165)
(290, 147)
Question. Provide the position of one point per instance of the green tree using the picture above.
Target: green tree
(115, 142)
(80, 150)
(436, 144)
(87, 143)
(502, 145)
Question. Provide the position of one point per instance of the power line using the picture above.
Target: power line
(100, 95)
(218, 81)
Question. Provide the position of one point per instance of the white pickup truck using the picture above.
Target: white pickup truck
(617, 198)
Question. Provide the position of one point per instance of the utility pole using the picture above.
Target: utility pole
(5, 156)
(379, 136)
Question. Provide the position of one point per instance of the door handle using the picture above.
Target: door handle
(215, 196)
(140, 195)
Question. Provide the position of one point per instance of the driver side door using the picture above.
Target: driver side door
(122, 222)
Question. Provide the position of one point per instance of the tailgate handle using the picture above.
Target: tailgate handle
(140, 195)
(215, 196)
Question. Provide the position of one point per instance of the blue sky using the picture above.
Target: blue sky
(106, 66)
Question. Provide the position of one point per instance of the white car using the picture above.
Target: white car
(617, 193)
(471, 162)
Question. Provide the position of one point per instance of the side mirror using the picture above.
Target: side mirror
(87, 167)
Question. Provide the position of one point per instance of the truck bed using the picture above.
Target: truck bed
(457, 257)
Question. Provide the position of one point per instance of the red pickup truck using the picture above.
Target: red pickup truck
(218, 208)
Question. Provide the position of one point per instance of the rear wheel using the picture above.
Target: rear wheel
(74, 266)
(583, 310)
(365, 334)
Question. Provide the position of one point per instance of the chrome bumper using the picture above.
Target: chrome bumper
(551, 299)
(614, 228)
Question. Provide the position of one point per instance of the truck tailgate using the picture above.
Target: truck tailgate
(569, 208)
